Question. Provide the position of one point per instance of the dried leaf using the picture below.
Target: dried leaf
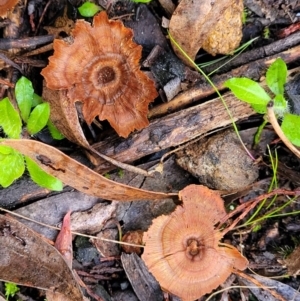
(269, 289)
(101, 70)
(293, 262)
(76, 175)
(63, 241)
(183, 251)
(214, 26)
(27, 259)
(7, 5)
(63, 114)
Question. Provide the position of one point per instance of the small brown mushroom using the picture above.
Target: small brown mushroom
(101, 70)
(183, 250)
(7, 5)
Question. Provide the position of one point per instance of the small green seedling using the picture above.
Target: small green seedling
(251, 92)
(89, 9)
(266, 33)
(10, 289)
(121, 173)
(35, 114)
(245, 16)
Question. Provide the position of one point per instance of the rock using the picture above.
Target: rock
(220, 162)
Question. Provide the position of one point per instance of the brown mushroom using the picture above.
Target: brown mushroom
(7, 5)
(100, 68)
(183, 250)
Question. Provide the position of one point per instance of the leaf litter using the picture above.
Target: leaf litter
(58, 161)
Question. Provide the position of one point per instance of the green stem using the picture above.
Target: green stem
(217, 91)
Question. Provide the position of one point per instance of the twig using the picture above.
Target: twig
(273, 120)
(122, 165)
(10, 62)
(274, 293)
(250, 205)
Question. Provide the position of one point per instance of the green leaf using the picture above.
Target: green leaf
(39, 176)
(89, 9)
(10, 289)
(290, 126)
(248, 90)
(38, 118)
(24, 95)
(36, 100)
(280, 105)
(55, 133)
(276, 76)
(10, 119)
(11, 165)
(261, 109)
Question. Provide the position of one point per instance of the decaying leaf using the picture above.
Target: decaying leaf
(293, 262)
(27, 259)
(61, 25)
(63, 114)
(63, 242)
(76, 175)
(215, 26)
(7, 5)
(264, 288)
(183, 250)
(101, 70)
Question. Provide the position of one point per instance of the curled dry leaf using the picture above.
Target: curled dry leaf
(64, 116)
(27, 259)
(215, 26)
(135, 238)
(76, 175)
(101, 70)
(7, 5)
(183, 250)
(63, 242)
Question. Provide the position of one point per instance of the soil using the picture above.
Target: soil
(187, 132)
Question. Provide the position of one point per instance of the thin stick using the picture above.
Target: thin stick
(276, 295)
(122, 165)
(273, 120)
(250, 205)
(73, 232)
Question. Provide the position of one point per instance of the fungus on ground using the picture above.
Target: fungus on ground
(100, 68)
(7, 5)
(183, 250)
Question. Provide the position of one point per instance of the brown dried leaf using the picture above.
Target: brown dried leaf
(63, 114)
(214, 26)
(76, 175)
(183, 251)
(27, 259)
(7, 5)
(63, 241)
(101, 70)
(293, 262)
(135, 238)
(61, 25)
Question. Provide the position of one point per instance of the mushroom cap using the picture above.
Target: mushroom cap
(183, 251)
(6, 5)
(101, 70)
